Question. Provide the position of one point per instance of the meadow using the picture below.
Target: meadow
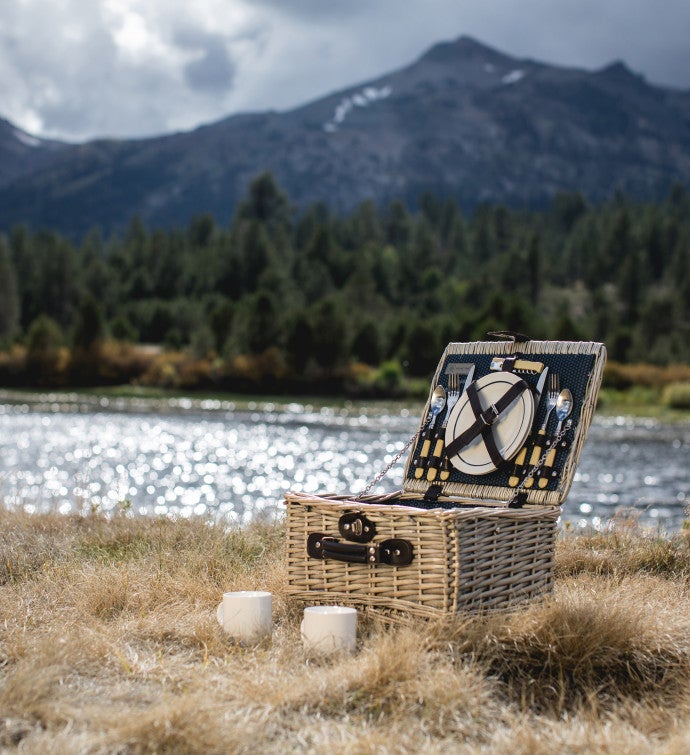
(109, 644)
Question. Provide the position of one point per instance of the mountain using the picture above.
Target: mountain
(22, 154)
(463, 120)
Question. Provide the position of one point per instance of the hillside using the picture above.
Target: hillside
(464, 120)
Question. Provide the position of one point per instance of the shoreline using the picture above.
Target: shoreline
(611, 403)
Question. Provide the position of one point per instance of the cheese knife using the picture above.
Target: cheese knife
(518, 469)
(551, 400)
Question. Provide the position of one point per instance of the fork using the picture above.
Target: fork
(453, 396)
(551, 400)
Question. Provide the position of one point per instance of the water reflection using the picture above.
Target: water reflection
(234, 461)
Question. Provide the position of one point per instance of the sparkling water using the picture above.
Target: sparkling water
(233, 461)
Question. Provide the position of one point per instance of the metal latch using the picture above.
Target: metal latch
(356, 527)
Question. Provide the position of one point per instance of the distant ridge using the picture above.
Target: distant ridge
(464, 120)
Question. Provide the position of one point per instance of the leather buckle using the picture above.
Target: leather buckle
(489, 415)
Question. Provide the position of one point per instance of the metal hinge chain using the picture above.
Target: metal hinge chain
(395, 460)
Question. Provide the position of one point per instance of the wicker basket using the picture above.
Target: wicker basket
(435, 550)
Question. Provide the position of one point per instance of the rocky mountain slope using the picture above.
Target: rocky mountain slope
(463, 120)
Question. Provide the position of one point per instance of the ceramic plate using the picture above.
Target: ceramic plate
(510, 429)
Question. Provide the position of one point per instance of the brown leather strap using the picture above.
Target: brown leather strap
(484, 419)
(393, 552)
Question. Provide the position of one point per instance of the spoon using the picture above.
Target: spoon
(438, 401)
(564, 405)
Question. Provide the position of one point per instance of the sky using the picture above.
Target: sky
(81, 69)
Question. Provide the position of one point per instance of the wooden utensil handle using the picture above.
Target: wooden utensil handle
(537, 449)
(421, 467)
(536, 455)
(417, 462)
(434, 461)
(548, 466)
(514, 479)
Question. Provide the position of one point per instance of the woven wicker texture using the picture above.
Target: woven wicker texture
(469, 559)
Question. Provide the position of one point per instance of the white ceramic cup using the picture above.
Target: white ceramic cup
(329, 629)
(246, 615)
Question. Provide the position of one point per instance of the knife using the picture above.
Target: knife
(518, 469)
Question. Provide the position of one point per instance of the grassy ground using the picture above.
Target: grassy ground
(109, 643)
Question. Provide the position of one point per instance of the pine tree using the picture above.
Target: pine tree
(619, 245)
(89, 327)
(266, 203)
(630, 286)
(43, 341)
(27, 275)
(329, 327)
(534, 266)
(264, 324)
(9, 295)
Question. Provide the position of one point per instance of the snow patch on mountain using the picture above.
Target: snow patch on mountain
(30, 141)
(364, 98)
(513, 77)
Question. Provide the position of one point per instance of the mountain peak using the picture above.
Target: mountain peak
(618, 71)
(462, 48)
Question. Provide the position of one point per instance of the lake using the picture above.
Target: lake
(234, 460)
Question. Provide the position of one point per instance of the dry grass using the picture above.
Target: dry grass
(109, 644)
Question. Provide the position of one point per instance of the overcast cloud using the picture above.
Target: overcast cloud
(76, 69)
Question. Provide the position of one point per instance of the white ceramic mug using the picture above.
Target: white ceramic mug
(329, 629)
(246, 615)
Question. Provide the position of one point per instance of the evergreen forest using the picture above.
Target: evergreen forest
(289, 301)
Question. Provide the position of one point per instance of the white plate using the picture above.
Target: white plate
(510, 430)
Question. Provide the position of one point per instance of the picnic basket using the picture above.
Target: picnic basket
(470, 530)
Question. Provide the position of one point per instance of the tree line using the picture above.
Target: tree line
(315, 292)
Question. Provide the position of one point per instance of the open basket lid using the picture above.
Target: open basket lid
(493, 427)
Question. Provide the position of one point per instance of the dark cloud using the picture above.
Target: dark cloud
(312, 10)
(213, 71)
(83, 68)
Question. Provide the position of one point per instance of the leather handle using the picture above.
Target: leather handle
(348, 552)
(394, 552)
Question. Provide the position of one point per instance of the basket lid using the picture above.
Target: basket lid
(499, 437)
